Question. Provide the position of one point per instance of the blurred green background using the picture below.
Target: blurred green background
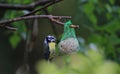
(99, 22)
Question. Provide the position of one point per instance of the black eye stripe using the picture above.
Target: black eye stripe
(50, 39)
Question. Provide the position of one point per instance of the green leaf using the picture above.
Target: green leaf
(50, 9)
(93, 19)
(9, 14)
(109, 16)
(96, 38)
(114, 39)
(47, 68)
(21, 28)
(88, 10)
(14, 40)
(107, 68)
(108, 7)
(112, 1)
(27, 1)
(112, 26)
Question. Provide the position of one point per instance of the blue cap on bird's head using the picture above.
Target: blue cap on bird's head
(50, 38)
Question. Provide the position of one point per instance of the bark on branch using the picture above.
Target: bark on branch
(32, 17)
(45, 6)
(26, 7)
(45, 3)
(5, 23)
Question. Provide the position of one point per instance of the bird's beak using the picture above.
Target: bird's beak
(52, 46)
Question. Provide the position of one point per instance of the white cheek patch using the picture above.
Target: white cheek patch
(45, 41)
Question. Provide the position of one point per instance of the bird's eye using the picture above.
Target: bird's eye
(51, 39)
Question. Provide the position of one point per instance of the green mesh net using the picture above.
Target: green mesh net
(68, 31)
(68, 43)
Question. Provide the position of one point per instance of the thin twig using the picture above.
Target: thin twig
(24, 7)
(45, 3)
(51, 17)
(45, 6)
(31, 17)
(61, 23)
(8, 27)
(5, 23)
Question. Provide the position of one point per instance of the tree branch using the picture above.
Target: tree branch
(61, 23)
(8, 27)
(31, 17)
(45, 3)
(5, 23)
(45, 6)
(25, 7)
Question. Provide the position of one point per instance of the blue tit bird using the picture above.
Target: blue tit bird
(49, 46)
